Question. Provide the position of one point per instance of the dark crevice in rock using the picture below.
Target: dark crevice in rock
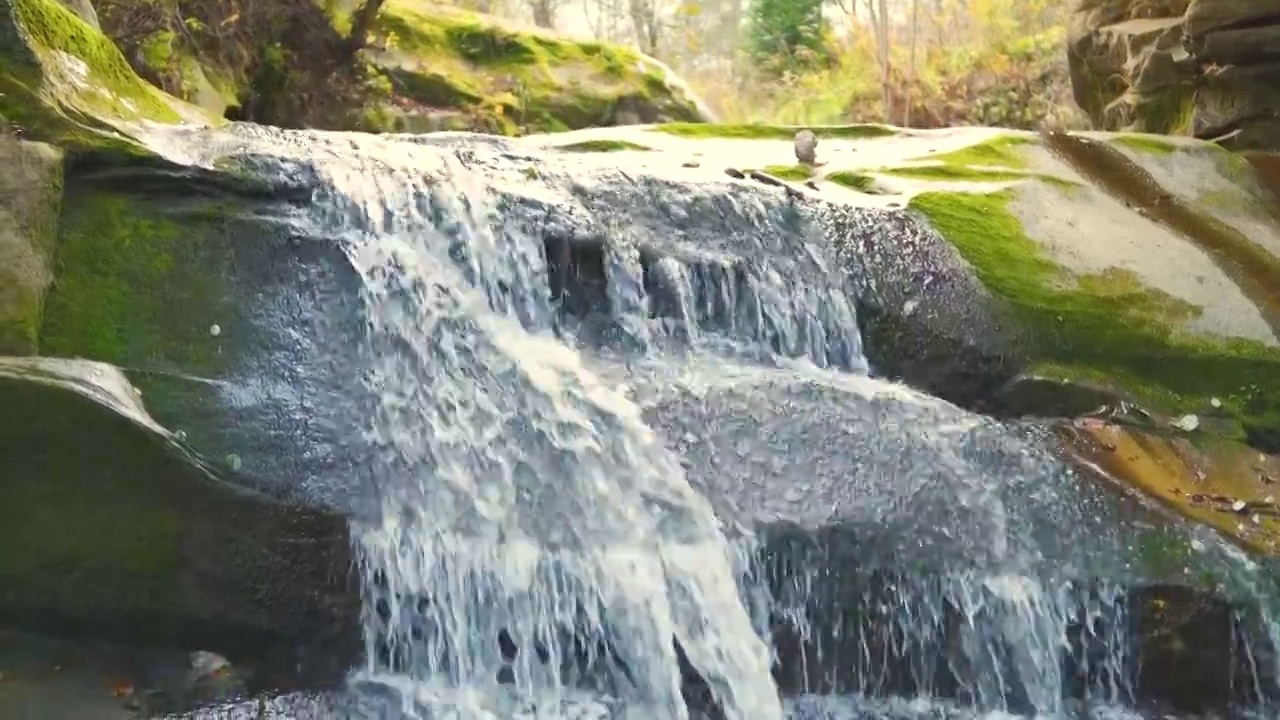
(967, 374)
(576, 275)
(1248, 23)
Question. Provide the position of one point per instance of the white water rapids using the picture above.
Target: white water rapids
(568, 505)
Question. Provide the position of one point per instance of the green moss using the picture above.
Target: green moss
(1109, 326)
(1169, 111)
(855, 181)
(770, 132)
(961, 173)
(794, 173)
(1000, 151)
(598, 146)
(1149, 144)
(158, 50)
(136, 287)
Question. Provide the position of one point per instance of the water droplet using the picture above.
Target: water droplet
(181, 435)
(215, 330)
(233, 461)
(1215, 402)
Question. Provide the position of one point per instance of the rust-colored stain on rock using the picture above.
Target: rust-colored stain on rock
(1226, 485)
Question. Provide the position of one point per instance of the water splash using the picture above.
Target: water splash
(545, 522)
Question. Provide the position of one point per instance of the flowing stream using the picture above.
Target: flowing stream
(631, 473)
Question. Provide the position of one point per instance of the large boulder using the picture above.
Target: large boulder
(113, 530)
(426, 67)
(63, 81)
(1207, 68)
(30, 200)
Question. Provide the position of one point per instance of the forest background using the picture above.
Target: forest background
(916, 63)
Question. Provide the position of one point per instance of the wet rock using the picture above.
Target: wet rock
(115, 532)
(1193, 652)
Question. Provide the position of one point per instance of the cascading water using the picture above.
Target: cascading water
(589, 513)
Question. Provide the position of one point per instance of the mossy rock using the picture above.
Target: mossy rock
(111, 530)
(62, 81)
(30, 198)
(476, 73)
(143, 283)
(1107, 329)
(1110, 330)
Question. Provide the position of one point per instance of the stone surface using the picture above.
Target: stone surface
(114, 531)
(1207, 68)
(30, 202)
(84, 10)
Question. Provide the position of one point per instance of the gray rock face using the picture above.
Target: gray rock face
(84, 10)
(30, 198)
(1206, 68)
(112, 530)
(806, 147)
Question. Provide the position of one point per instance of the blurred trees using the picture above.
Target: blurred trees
(912, 62)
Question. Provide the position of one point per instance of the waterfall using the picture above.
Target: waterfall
(590, 447)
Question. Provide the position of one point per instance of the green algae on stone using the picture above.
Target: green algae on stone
(139, 286)
(963, 173)
(1150, 144)
(602, 146)
(1108, 327)
(1000, 151)
(771, 132)
(854, 181)
(794, 173)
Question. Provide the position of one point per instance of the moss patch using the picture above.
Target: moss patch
(770, 132)
(599, 146)
(854, 181)
(1000, 151)
(1150, 144)
(138, 287)
(510, 81)
(961, 173)
(1108, 327)
(794, 173)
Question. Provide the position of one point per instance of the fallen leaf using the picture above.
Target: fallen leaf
(122, 689)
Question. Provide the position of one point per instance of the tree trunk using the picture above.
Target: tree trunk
(644, 22)
(911, 67)
(362, 23)
(544, 13)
